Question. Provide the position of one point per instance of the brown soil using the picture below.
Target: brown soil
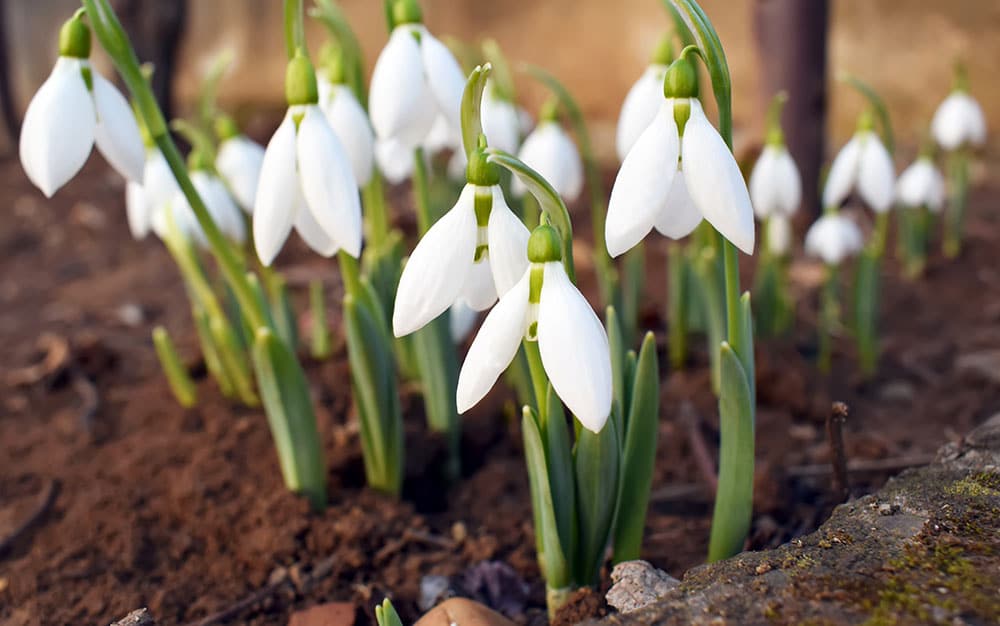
(185, 512)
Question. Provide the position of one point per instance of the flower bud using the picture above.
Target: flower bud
(74, 38)
(300, 81)
(544, 245)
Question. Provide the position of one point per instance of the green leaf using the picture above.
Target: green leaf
(734, 498)
(559, 456)
(632, 283)
(332, 16)
(678, 302)
(638, 454)
(472, 107)
(177, 375)
(233, 359)
(596, 461)
(385, 614)
(619, 389)
(285, 322)
(712, 297)
(289, 410)
(746, 352)
(878, 104)
(320, 345)
(866, 309)
(550, 557)
(213, 362)
(503, 79)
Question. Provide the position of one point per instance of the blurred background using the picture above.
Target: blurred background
(904, 48)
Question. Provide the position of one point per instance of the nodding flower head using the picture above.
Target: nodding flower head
(921, 185)
(239, 161)
(74, 109)
(833, 238)
(863, 165)
(551, 152)
(347, 118)
(775, 184)
(959, 120)
(679, 171)
(546, 307)
(643, 100)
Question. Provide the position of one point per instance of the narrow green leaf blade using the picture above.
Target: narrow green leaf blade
(177, 375)
(596, 461)
(550, 557)
(472, 106)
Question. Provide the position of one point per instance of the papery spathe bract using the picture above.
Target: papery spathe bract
(239, 163)
(775, 184)
(641, 105)
(959, 121)
(74, 109)
(921, 185)
(833, 238)
(350, 123)
(864, 165)
(549, 151)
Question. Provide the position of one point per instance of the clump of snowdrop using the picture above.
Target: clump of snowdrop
(72, 111)
(473, 254)
(306, 180)
(239, 161)
(546, 307)
(679, 171)
(865, 166)
(551, 152)
(644, 99)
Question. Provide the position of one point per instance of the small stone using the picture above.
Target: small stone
(763, 568)
(982, 365)
(433, 589)
(131, 314)
(887, 509)
(462, 612)
(459, 532)
(139, 617)
(331, 614)
(637, 584)
(897, 391)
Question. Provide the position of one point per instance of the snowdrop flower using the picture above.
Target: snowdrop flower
(546, 307)
(146, 202)
(213, 193)
(416, 79)
(775, 184)
(501, 120)
(959, 121)
(474, 253)
(678, 172)
(643, 100)
(549, 151)
(349, 121)
(239, 162)
(306, 180)
(75, 108)
(833, 238)
(921, 185)
(865, 165)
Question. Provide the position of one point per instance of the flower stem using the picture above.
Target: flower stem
(958, 173)
(295, 35)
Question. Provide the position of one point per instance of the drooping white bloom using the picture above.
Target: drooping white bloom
(501, 120)
(473, 253)
(959, 121)
(641, 105)
(644, 192)
(307, 182)
(145, 203)
(571, 340)
(833, 238)
(549, 151)
(350, 123)
(779, 235)
(775, 184)
(220, 205)
(75, 108)
(863, 165)
(239, 162)
(921, 185)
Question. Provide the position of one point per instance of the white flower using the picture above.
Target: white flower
(779, 235)
(461, 320)
(641, 105)
(775, 184)
(145, 203)
(863, 164)
(571, 340)
(75, 108)
(473, 253)
(220, 205)
(239, 162)
(416, 78)
(549, 151)
(959, 121)
(644, 193)
(307, 182)
(350, 123)
(833, 238)
(921, 185)
(501, 121)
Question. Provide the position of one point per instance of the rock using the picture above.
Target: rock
(330, 614)
(982, 365)
(925, 548)
(637, 584)
(139, 617)
(462, 612)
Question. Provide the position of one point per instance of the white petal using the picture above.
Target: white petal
(494, 347)
(977, 122)
(775, 186)
(159, 186)
(915, 183)
(574, 349)
(478, 291)
(508, 240)
(445, 77)
(936, 194)
(239, 163)
(400, 102)
(788, 183)
(641, 105)
(461, 319)
(58, 129)
(571, 184)
(958, 121)
(551, 153)
(679, 216)
(349, 122)
(311, 232)
(136, 210)
(274, 203)
(441, 137)
(395, 159)
(435, 274)
(714, 181)
(832, 238)
(185, 219)
(643, 184)
(500, 122)
(877, 174)
(327, 181)
(117, 132)
(843, 174)
(225, 213)
(779, 235)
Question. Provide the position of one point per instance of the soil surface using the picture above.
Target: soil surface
(132, 501)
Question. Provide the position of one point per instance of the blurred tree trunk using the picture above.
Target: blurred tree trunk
(8, 118)
(155, 28)
(792, 43)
